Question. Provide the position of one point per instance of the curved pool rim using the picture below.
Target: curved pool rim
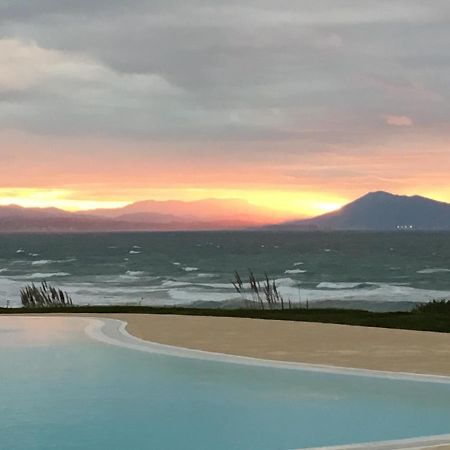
(114, 332)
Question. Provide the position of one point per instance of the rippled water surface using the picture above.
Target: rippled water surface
(173, 268)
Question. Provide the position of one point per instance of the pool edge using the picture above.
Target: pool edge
(96, 326)
(123, 338)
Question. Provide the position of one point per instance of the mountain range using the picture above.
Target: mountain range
(377, 211)
(151, 215)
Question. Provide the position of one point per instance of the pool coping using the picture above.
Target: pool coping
(420, 443)
(121, 337)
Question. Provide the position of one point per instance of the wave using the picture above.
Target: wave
(345, 285)
(3, 270)
(186, 296)
(20, 251)
(174, 283)
(134, 252)
(190, 269)
(176, 263)
(435, 270)
(48, 275)
(189, 284)
(135, 273)
(43, 262)
(298, 264)
(293, 271)
(287, 282)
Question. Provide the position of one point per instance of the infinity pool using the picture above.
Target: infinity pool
(62, 389)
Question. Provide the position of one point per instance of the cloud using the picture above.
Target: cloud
(315, 73)
(398, 121)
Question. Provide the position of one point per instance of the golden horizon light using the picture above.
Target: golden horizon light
(283, 204)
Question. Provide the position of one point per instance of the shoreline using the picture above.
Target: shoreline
(344, 346)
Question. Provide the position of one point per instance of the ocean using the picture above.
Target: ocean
(381, 271)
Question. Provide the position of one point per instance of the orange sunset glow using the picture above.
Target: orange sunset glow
(297, 133)
(107, 174)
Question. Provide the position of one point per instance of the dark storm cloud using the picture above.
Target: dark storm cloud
(318, 72)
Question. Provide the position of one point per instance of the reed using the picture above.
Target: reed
(264, 293)
(44, 296)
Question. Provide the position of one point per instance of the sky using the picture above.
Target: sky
(292, 105)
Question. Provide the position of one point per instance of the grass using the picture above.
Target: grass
(424, 319)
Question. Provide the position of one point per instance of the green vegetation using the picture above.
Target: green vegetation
(426, 320)
(265, 302)
(436, 306)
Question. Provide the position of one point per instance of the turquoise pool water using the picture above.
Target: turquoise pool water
(60, 389)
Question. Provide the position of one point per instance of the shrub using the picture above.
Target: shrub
(436, 306)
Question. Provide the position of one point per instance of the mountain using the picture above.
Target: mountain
(17, 219)
(149, 215)
(207, 210)
(380, 211)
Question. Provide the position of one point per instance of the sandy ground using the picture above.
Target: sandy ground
(316, 343)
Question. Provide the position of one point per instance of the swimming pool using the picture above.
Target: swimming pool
(62, 388)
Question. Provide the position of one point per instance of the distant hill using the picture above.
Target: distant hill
(207, 210)
(212, 214)
(380, 211)
(17, 219)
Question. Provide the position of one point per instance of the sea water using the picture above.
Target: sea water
(181, 268)
(62, 390)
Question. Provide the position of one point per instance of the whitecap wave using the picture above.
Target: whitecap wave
(344, 285)
(190, 269)
(186, 296)
(433, 270)
(39, 275)
(298, 264)
(3, 270)
(287, 282)
(20, 251)
(135, 273)
(134, 252)
(43, 262)
(173, 283)
(294, 271)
